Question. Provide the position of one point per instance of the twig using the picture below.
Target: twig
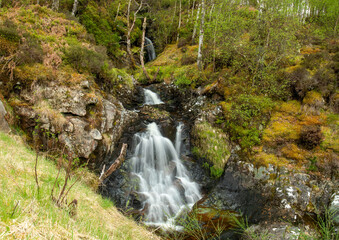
(16, 205)
(35, 171)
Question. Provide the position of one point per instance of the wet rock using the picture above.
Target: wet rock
(3, 122)
(153, 114)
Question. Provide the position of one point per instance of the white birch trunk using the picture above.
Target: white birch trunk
(201, 36)
(116, 16)
(130, 29)
(179, 24)
(196, 24)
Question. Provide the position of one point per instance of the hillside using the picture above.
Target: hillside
(25, 214)
(229, 109)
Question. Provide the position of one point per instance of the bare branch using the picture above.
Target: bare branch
(116, 163)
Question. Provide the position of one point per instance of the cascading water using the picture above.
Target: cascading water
(163, 181)
(178, 139)
(150, 50)
(151, 98)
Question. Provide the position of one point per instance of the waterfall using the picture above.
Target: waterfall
(178, 139)
(151, 98)
(162, 180)
(150, 50)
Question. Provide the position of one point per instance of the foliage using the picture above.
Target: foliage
(96, 23)
(244, 117)
(83, 59)
(310, 136)
(8, 30)
(212, 144)
(30, 51)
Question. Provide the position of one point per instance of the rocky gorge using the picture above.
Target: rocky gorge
(241, 162)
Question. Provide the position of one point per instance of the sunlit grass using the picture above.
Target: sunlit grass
(25, 214)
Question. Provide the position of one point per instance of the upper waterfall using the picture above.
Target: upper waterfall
(163, 181)
(151, 98)
(150, 49)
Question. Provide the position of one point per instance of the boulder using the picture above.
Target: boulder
(3, 122)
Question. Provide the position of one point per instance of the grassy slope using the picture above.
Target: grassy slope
(25, 215)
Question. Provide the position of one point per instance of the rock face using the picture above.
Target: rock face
(86, 123)
(3, 123)
(268, 193)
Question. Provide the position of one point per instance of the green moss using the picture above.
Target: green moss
(211, 143)
(244, 116)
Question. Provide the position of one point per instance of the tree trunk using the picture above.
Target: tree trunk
(55, 5)
(75, 7)
(179, 24)
(116, 16)
(142, 50)
(196, 24)
(201, 36)
(130, 29)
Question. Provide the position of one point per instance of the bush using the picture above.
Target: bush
(182, 81)
(29, 52)
(187, 60)
(311, 136)
(9, 31)
(245, 116)
(301, 82)
(83, 59)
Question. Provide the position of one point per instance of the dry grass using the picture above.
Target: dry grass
(25, 214)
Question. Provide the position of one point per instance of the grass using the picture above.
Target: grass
(25, 214)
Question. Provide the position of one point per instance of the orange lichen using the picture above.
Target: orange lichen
(282, 129)
(312, 97)
(292, 151)
(309, 50)
(264, 159)
(312, 119)
(331, 140)
(290, 107)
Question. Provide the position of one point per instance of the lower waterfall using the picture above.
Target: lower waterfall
(162, 180)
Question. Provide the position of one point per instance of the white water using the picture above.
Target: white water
(164, 183)
(178, 139)
(150, 50)
(151, 98)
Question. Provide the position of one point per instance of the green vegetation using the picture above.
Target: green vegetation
(212, 144)
(25, 214)
(245, 115)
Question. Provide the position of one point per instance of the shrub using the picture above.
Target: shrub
(301, 82)
(83, 59)
(9, 31)
(182, 81)
(187, 60)
(29, 52)
(245, 116)
(310, 136)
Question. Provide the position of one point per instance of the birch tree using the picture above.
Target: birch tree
(196, 24)
(130, 28)
(201, 36)
(179, 24)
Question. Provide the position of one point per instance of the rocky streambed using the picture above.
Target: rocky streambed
(274, 200)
